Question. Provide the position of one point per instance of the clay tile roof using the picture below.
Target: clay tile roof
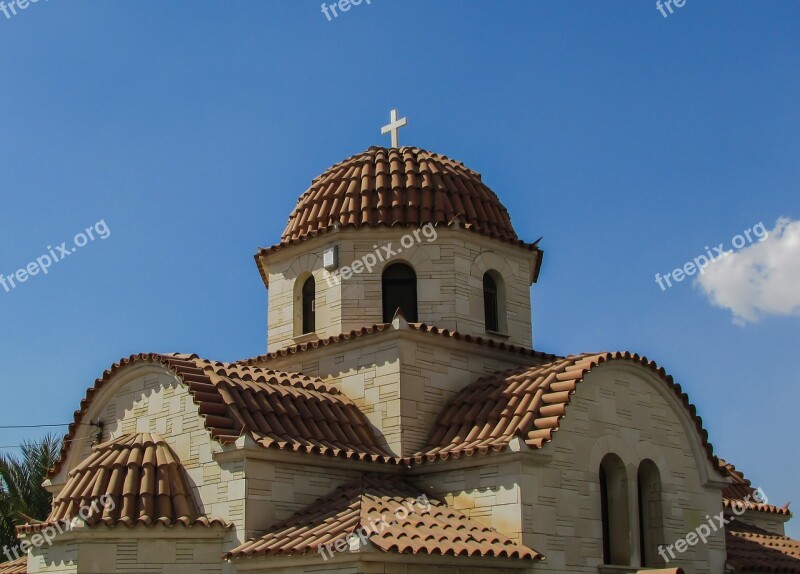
(287, 411)
(740, 493)
(135, 479)
(528, 403)
(358, 507)
(752, 549)
(387, 187)
(19, 566)
(381, 327)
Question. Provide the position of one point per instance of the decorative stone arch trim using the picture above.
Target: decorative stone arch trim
(417, 258)
(610, 444)
(490, 261)
(645, 450)
(309, 263)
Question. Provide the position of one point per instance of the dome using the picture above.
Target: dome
(407, 186)
(141, 475)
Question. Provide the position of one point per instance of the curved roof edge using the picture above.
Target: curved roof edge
(547, 391)
(233, 399)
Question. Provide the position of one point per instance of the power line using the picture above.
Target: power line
(45, 426)
(66, 441)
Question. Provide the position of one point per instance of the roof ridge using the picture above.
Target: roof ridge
(380, 327)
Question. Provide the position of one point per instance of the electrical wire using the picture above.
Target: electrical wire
(45, 426)
(63, 442)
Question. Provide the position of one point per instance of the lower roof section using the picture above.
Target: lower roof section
(18, 566)
(753, 549)
(384, 514)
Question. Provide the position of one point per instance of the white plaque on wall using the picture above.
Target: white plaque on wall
(330, 257)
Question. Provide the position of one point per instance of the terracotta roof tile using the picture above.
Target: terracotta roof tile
(737, 493)
(287, 411)
(141, 477)
(379, 328)
(528, 403)
(19, 566)
(387, 187)
(359, 506)
(752, 549)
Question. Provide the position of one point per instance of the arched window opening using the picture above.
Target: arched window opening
(309, 305)
(651, 530)
(614, 511)
(399, 285)
(604, 514)
(490, 303)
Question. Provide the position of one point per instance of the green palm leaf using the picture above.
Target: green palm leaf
(21, 493)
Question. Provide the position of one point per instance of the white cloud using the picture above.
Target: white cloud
(760, 279)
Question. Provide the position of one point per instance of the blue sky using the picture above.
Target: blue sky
(628, 140)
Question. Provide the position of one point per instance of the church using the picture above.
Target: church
(401, 420)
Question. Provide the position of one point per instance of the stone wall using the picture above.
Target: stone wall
(488, 492)
(98, 555)
(626, 411)
(276, 490)
(449, 270)
(401, 379)
(774, 523)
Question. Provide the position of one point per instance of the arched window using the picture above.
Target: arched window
(399, 284)
(604, 516)
(308, 305)
(651, 531)
(614, 511)
(490, 303)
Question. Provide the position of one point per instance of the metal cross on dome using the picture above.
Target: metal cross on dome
(393, 127)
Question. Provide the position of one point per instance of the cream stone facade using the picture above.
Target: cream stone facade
(533, 462)
(449, 268)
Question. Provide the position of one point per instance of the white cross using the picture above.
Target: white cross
(394, 127)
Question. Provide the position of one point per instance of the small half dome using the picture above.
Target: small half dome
(130, 480)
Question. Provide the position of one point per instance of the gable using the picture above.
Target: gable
(530, 403)
(286, 411)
